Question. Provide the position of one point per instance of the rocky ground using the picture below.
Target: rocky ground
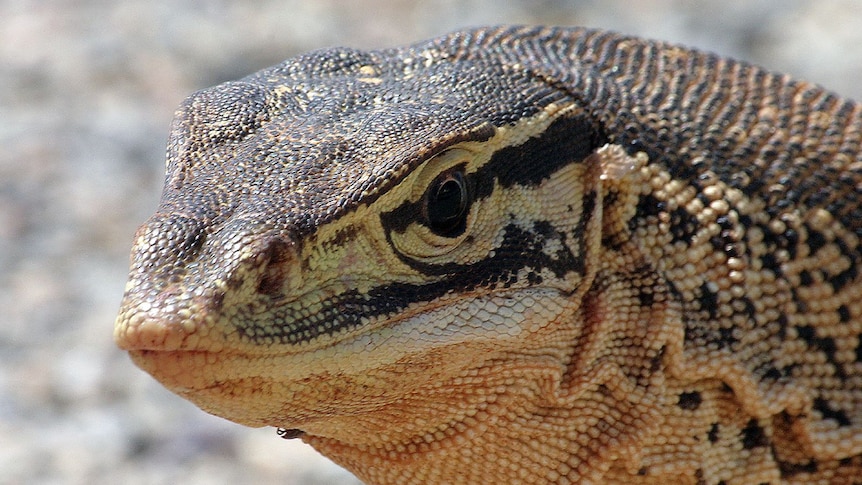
(87, 89)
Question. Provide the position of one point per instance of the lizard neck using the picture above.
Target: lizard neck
(458, 422)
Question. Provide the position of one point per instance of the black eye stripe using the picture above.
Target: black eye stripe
(569, 139)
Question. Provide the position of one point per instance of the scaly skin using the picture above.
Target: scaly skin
(516, 255)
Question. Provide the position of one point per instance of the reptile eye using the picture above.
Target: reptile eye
(447, 202)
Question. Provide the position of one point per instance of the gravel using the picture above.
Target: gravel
(87, 90)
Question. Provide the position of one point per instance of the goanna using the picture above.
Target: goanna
(516, 255)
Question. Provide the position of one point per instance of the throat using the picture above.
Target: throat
(469, 433)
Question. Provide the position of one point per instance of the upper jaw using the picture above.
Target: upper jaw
(168, 320)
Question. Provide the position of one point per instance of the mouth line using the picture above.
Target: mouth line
(339, 310)
(195, 371)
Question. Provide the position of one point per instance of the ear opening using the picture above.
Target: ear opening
(590, 230)
(622, 183)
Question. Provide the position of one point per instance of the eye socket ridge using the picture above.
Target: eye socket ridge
(446, 203)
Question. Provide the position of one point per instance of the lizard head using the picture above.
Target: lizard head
(346, 229)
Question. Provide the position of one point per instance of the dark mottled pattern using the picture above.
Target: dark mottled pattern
(689, 400)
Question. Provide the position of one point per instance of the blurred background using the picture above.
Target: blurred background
(87, 91)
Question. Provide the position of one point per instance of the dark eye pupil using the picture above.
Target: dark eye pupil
(447, 203)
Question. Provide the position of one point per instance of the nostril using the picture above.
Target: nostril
(277, 258)
(271, 282)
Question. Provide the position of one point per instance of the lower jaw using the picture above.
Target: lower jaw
(227, 385)
(179, 371)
